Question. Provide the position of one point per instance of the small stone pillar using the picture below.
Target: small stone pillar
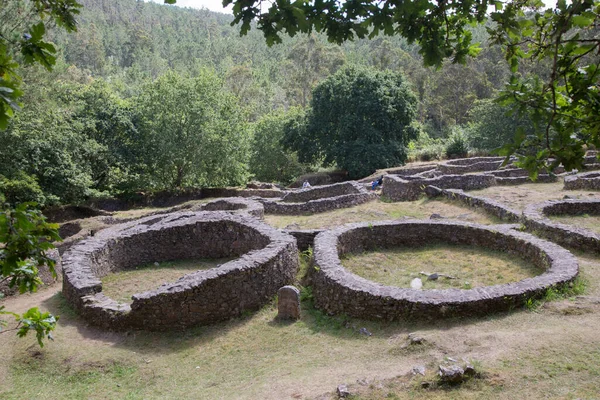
(288, 303)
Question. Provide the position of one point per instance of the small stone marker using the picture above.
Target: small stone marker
(288, 303)
(416, 283)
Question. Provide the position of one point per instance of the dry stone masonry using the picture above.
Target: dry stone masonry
(535, 218)
(320, 199)
(338, 291)
(267, 259)
(585, 181)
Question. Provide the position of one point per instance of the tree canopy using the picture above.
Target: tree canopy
(360, 120)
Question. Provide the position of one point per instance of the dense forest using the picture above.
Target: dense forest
(147, 97)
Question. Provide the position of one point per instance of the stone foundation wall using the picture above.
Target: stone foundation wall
(585, 181)
(317, 206)
(321, 192)
(236, 204)
(520, 180)
(337, 291)
(267, 259)
(535, 218)
(400, 189)
(170, 199)
(492, 207)
(466, 165)
(305, 238)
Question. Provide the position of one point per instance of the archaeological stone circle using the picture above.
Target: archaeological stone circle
(337, 291)
(264, 259)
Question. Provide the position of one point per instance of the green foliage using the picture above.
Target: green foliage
(457, 146)
(32, 45)
(564, 100)
(438, 27)
(269, 161)
(424, 148)
(26, 237)
(192, 133)
(493, 125)
(360, 120)
(23, 188)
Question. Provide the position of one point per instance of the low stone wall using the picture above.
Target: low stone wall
(170, 199)
(520, 180)
(44, 274)
(492, 207)
(410, 188)
(321, 192)
(338, 291)
(585, 181)
(535, 218)
(317, 206)
(267, 260)
(305, 238)
(466, 165)
(236, 204)
(69, 213)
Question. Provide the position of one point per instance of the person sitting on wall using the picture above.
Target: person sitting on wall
(305, 185)
(377, 183)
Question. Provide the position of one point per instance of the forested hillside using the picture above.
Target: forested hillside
(148, 97)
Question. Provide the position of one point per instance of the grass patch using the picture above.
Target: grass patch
(473, 266)
(591, 222)
(381, 210)
(575, 288)
(519, 197)
(121, 285)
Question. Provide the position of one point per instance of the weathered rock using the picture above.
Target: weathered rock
(288, 303)
(453, 374)
(418, 370)
(435, 216)
(364, 331)
(416, 284)
(342, 391)
(433, 277)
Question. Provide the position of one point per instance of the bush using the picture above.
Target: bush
(23, 188)
(457, 146)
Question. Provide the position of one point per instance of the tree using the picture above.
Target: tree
(193, 132)
(26, 236)
(269, 161)
(360, 120)
(565, 104)
(493, 125)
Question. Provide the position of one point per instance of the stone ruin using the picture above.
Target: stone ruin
(584, 181)
(320, 199)
(267, 259)
(536, 219)
(338, 291)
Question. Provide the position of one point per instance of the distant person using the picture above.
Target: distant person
(377, 183)
(305, 185)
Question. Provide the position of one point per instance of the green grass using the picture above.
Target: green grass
(121, 285)
(591, 222)
(381, 210)
(472, 266)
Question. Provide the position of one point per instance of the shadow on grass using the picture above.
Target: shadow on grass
(313, 320)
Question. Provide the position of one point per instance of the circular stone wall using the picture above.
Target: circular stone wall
(585, 181)
(336, 290)
(535, 218)
(267, 260)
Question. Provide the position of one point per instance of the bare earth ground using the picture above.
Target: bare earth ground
(550, 352)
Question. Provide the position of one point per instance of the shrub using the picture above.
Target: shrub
(457, 146)
(23, 188)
